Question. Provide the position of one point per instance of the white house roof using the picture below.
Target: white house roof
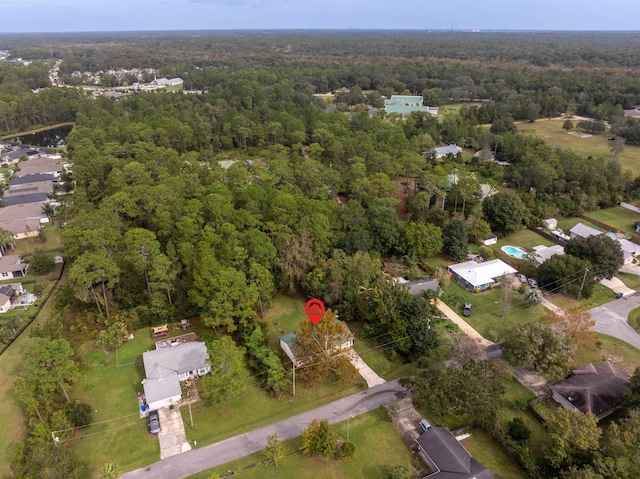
(182, 358)
(160, 384)
(477, 274)
(628, 246)
(445, 150)
(584, 230)
(544, 253)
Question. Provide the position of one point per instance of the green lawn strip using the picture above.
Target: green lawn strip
(596, 145)
(601, 295)
(630, 280)
(607, 348)
(373, 353)
(284, 317)
(524, 238)
(253, 407)
(634, 319)
(117, 434)
(488, 452)
(514, 404)
(378, 444)
(440, 261)
(618, 217)
(486, 316)
(565, 224)
(11, 413)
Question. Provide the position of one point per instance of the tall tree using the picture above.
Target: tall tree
(603, 252)
(319, 350)
(455, 240)
(575, 322)
(504, 211)
(228, 373)
(573, 438)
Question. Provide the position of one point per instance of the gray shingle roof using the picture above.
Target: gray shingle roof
(182, 358)
(594, 388)
(448, 455)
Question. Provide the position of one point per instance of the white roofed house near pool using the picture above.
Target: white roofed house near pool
(480, 276)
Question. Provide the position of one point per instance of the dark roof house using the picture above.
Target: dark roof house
(592, 389)
(449, 458)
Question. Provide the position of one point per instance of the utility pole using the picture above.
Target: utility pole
(586, 270)
(294, 378)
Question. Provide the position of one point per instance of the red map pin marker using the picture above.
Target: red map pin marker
(314, 309)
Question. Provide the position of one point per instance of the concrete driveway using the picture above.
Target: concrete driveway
(173, 439)
(611, 319)
(617, 286)
(368, 374)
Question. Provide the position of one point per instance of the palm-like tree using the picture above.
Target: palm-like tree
(48, 210)
(532, 297)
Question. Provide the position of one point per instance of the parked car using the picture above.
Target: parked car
(532, 282)
(467, 309)
(522, 278)
(154, 422)
(424, 425)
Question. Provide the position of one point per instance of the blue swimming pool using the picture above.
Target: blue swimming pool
(514, 251)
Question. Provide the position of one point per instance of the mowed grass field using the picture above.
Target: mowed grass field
(378, 444)
(618, 217)
(596, 145)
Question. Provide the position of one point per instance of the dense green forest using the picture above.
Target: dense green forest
(207, 204)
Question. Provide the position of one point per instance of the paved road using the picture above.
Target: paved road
(611, 319)
(203, 458)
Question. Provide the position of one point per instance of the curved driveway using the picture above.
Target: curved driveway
(611, 319)
(201, 459)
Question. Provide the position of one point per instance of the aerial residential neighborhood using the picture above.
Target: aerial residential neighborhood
(344, 253)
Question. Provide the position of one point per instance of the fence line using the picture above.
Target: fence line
(33, 317)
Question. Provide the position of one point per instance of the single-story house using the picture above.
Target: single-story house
(165, 367)
(592, 389)
(480, 276)
(168, 82)
(584, 231)
(22, 228)
(443, 151)
(448, 458)
(11, 266)
(8, 294)
(33, 178)
(550, 223)
(40, 164)
(287, 343)
(543, 253)
(405, 104)
(490, 240)
(417, 286)
(15, 197)
(629, 249)
(486, 155)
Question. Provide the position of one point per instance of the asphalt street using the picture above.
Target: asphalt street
(200, 459)
(611, 319)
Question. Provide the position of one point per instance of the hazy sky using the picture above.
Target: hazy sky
(111, 15)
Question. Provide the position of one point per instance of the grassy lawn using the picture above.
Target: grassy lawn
(253, 407)
(597, 145)
(618, 217)
(284, 317)
(377, 443)
(112, 393)
(488, 452)
(607, 348)
(373, 353)
(486, 316)
(601, 295)
(524, 238)
(565, 224)
(11, 416)
(634, 319)
(514, 403)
